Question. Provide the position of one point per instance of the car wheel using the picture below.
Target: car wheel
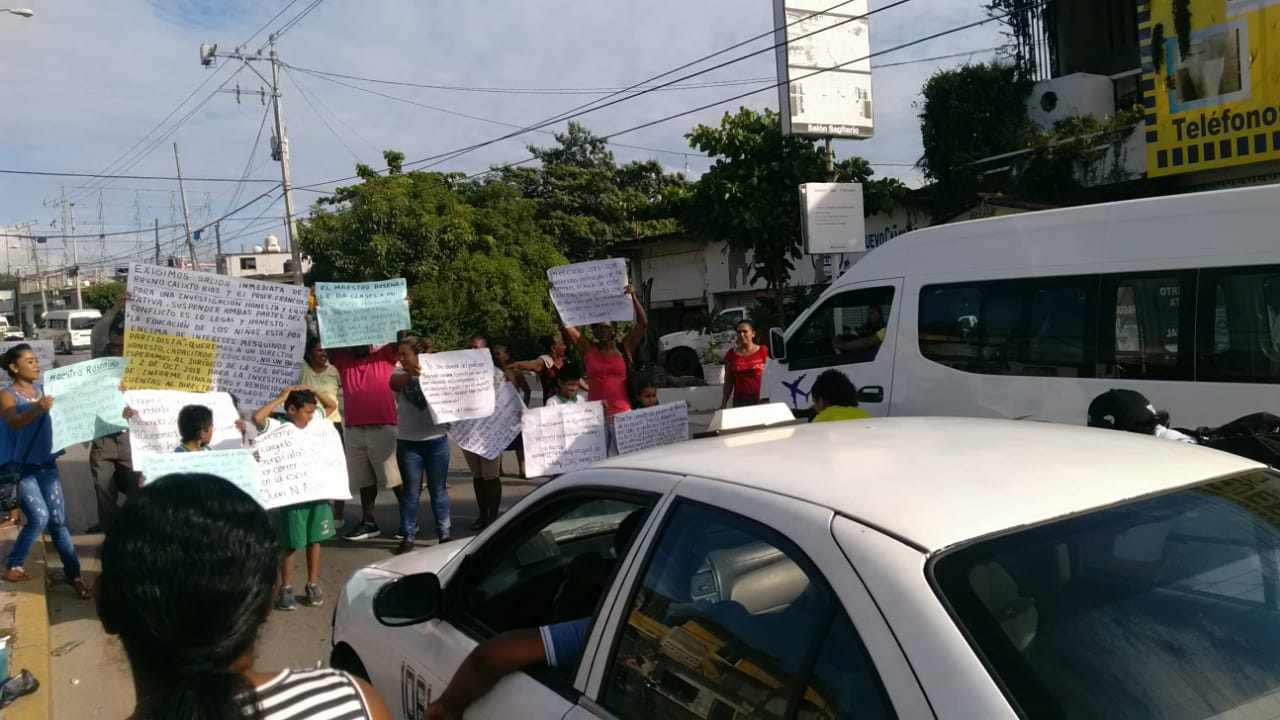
(683, 362)
(345, 659)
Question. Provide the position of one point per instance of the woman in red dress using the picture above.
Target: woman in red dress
(744, 369)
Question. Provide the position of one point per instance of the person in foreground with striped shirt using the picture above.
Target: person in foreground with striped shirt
(188, 579)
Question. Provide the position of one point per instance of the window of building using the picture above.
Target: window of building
(1239, 338)
(248, 263)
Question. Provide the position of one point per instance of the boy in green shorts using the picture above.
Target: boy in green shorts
(308, 524)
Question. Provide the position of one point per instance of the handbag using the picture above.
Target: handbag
(11, 476)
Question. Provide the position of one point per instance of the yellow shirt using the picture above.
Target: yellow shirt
(841, 412)
(327, 383)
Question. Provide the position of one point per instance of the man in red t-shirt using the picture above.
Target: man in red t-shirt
(369, 418)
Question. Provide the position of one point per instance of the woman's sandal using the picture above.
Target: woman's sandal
(84, 591)
(15, 575)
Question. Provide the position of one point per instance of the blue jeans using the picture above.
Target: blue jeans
(40, 493)
(416, 459)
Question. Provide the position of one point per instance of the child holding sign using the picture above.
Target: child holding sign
(308, 524)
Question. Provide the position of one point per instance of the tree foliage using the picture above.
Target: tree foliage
(102, 297)
(750, 196)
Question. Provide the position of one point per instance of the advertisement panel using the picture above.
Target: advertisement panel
(825, 68)
(1211, 82)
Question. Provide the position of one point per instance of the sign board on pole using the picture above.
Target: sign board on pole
(824, 67)
(833, 219)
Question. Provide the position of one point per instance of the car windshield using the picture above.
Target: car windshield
(83, 323)
(1166, 607)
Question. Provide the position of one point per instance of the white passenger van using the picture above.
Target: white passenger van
(1033, 315)
(69, 330)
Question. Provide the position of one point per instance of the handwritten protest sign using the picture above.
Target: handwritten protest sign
(369, 313)
(153, 430)
(87, 403)
(591, 292)
(236, 466)
(44, 353)
(561, 438)
(458, 385)
(488, 437)
(299, 466)
(258, 330)
(650, 427)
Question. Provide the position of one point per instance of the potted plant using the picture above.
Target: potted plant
(713, 362)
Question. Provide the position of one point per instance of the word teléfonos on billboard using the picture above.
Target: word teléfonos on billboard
(1213, 124)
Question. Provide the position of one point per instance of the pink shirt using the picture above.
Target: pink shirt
(366, 386)
(608, 376)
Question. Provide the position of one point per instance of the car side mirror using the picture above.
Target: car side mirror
(777, 344)
(409, 600)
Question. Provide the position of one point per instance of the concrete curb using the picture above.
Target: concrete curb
(24, 617)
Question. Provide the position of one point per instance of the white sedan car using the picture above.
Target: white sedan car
(907, 567)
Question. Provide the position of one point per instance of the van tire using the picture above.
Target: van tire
(683, 362)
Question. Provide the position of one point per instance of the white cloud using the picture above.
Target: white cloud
(84, 80)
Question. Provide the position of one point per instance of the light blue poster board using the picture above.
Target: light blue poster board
(236, 466)
(352, 314)
(87, 401)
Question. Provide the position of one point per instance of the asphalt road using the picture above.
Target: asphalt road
(92, 680)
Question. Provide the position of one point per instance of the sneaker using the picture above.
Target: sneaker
(286, 601)
(406, 545)
(363, 531)
(314, 597)
(399, 535)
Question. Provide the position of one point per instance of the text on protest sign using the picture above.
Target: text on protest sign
(258, 330)
(489, 436)
(352, 314)
(153, 429)
(458, 385)
(591, 292)
(301, 466)
(44, 353)
(87, 402)
(236, 466)
(651, 427)
(561, 438)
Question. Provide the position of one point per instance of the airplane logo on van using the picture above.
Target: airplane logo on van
(796, 392)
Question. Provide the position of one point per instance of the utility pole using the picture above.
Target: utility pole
(186, 217)
(157, 241)
(75, 259)
(281, 150)
(35, 252)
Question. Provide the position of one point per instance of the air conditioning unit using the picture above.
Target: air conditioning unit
(1071, 96)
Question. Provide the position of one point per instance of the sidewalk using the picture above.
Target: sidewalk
(24, 617)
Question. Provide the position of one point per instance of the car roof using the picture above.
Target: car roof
(937, 482)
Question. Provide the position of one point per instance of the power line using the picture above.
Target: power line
(248, 163)
(297, 19)
(316, 110)
(524, 91)
(275, 17)
(48, 173)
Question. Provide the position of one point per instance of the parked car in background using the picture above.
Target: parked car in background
(681, 353)
(68, 330)
(946, 568)
(10, 332)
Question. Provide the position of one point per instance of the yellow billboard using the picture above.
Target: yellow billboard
(1211, 83)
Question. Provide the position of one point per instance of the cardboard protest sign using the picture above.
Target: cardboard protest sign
(87, 402)
(489, 436)
(44, 353)
(591, 292)
(236, 466)
(301, 466)
(153, 430)
(351, 314)
(197, 331)
(458, 385)
(651, 427)
(561, 438)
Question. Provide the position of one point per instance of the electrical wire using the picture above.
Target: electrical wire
(248, 163)
(306, 98)
(297, 19)
(266, 24)
(48, 173)
(524, 91)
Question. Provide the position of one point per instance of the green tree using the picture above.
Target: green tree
(472, 253)
(750, 196)
(969, 114)
(103, 297)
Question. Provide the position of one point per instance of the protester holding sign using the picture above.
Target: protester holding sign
(26, 444)
(320, 375)
(110, 456)
(486, 473)
(422, 447)
(307, 524)
(608, 361)
(370, 435)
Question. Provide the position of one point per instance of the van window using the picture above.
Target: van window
(1143, 321)
(83, 323)
(1038, 327)
(846, 329)
(1240, 325)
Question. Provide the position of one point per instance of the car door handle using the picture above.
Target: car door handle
(871, 394)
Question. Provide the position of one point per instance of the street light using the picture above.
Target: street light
(21, 12)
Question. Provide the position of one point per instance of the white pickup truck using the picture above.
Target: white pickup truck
(681, 352)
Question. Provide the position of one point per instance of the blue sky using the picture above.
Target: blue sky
(84, 80)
